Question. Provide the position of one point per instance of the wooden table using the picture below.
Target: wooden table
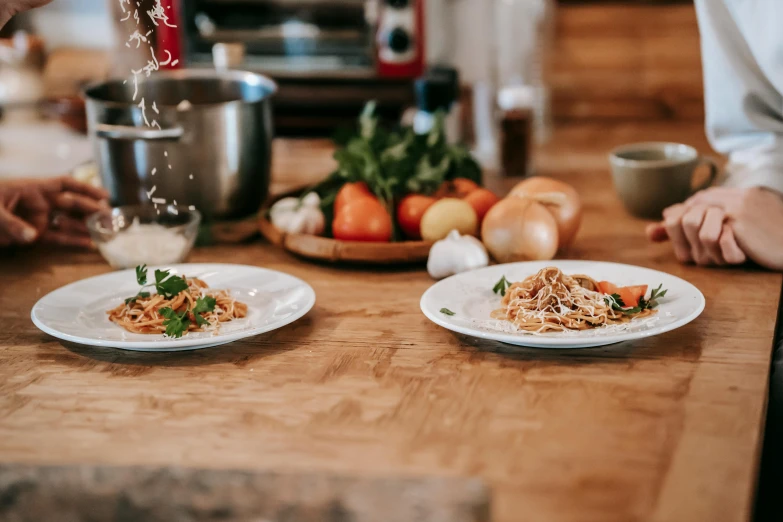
(665, 429)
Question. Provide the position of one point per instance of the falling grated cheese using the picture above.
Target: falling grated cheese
(191, 176)
(152, 191)
(154, 171)
(160, 201)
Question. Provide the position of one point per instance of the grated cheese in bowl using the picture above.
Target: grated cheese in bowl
(135, 235)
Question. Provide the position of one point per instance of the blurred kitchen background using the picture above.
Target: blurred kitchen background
(507, 71)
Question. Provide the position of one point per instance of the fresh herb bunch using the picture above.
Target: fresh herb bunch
(616, 302)
(168, 286)
(394, 163)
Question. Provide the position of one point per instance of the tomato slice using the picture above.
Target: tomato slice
(631, 295)
(605, 287)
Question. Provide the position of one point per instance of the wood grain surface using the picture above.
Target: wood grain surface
(664, 429)
(626, 60)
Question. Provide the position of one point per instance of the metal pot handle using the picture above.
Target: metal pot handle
(126, 132)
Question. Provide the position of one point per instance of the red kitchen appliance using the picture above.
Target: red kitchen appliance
(400, 43)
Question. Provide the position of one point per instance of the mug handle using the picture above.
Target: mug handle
(714, 169)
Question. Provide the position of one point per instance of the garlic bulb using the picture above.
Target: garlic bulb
(296, 216)
(456, 254)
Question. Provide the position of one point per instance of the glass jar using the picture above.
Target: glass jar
(523, 33)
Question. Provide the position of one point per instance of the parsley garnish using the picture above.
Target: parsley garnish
(203, 304)
(500, 286)
(446, 311)
(652, 302)
(166, 284)
(176, 324)
(169, 285)
(142, 295)
(617, 303)
(141, 275)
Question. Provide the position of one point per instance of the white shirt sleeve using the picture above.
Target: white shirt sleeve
(742, 56)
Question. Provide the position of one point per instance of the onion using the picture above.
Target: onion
(561, 199)
(517, 229)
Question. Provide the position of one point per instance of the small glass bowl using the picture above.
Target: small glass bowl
(142, 234)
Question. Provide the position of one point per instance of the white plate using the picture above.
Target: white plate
(77, 312)
(469, 295)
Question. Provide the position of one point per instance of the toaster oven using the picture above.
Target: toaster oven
(337, 38)
(329, 57)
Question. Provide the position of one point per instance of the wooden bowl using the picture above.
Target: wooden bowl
(338, 251)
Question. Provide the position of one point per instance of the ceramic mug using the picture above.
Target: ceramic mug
(651, 176)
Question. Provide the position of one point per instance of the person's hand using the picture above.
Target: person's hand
(50, 210)
(726, 226)
(8, 8)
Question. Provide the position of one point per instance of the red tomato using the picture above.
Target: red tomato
(456, 188)
(605, 287)
(409, 213)
(351, 192)
(481, 200)
(631, 295)
(364, 219)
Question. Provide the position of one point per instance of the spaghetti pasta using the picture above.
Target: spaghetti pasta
(143, 314)
(551, 301)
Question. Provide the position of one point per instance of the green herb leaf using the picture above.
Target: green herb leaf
(142, 295)
(500, 286)
(176, 324)
(656, 294)
(160, 275)
(169, 285)
(446, 311)
(141, 275)
(368, 122)
(204, 304)
(615, 301)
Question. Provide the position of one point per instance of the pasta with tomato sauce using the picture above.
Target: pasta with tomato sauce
(551, 301)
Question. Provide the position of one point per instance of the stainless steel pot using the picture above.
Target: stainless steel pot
(213, 147)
